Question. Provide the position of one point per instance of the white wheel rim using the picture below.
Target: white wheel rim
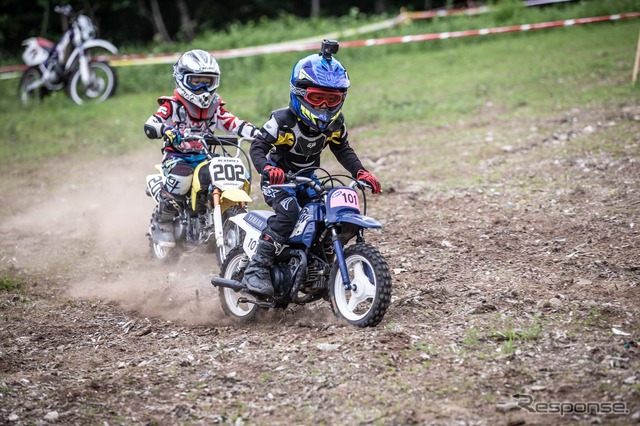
(25, 96)
(161, 252)
(231, 297)
(231, 238)
(355, 304)
(90, 93)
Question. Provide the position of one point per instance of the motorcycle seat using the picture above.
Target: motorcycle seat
(258, 218)
(45, 44)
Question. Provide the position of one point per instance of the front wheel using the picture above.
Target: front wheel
(102, 84)
(232, 234)
(370, 295)
(232, 305)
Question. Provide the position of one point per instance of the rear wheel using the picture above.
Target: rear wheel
(30, 95)
(162, 254)
(101, 85)
(232, 234)
(233, 269)
(365, 304)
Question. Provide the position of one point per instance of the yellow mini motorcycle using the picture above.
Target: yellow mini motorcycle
(204, 216)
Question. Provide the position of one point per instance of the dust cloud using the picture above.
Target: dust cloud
(88, 233)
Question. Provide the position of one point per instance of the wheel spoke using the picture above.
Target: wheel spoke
(366, 288)
(353, 302)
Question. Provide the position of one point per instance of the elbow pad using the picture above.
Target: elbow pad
(153, 127)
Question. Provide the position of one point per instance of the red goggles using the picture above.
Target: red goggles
(317, 97)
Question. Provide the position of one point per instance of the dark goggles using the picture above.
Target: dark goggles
(196, 82)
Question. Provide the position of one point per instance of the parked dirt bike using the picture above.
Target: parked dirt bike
(68, 64)
(204, 217)
(314, 264)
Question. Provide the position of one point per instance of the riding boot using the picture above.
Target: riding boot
(162, 222)
(257, 276)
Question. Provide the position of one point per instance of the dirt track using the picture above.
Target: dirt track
(527, 283)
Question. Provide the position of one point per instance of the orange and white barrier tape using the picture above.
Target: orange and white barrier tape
(428, 14)
(298, 47)
(487, 31)
(312, 43)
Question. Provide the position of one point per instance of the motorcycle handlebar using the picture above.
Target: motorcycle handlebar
(210, 142)
(361, 184)
(292, 181)
(65, 10)
(211, 139)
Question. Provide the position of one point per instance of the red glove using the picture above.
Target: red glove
(275, 175)
(364, 175)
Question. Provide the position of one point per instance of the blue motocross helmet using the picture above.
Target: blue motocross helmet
(319, 86)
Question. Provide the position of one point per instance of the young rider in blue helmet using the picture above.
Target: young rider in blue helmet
(293, 139)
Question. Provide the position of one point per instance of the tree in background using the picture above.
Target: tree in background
(155, 16)
(186, 24)
(140, 22)
(315, 8)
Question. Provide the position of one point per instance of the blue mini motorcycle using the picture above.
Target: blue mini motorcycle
(317, 262)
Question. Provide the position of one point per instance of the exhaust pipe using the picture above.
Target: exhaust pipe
(234, 285)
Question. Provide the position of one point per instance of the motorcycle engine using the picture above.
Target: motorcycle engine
(313, 282)
(282, 277)
(179, 228)
(317, 273)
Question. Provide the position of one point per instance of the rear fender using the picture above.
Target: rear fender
(252, 223)
(196, 186)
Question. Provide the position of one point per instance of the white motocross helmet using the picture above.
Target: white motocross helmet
(197, 76)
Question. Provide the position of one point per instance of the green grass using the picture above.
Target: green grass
(513, 336)
(471, 338)
(407, 91)
(10, 283)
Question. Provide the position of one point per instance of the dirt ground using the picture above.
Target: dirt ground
(524, 283)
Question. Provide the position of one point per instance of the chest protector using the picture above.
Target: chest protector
(296, 144)
(183, 110)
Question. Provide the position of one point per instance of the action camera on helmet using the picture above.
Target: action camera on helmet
(329, 47)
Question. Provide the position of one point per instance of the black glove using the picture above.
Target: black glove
(172, 136)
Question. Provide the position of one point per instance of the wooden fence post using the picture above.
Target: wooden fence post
(637, 63)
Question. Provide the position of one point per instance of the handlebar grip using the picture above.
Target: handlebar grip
(284, 185)
(65, 10)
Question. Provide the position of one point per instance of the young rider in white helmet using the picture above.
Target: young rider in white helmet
(194, 104)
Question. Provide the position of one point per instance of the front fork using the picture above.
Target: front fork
(217, 218)
(216, 197)
(85, 73)
(342, 264)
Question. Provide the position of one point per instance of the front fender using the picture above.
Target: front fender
(91, 44)
(236, 196)
(358, 220)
